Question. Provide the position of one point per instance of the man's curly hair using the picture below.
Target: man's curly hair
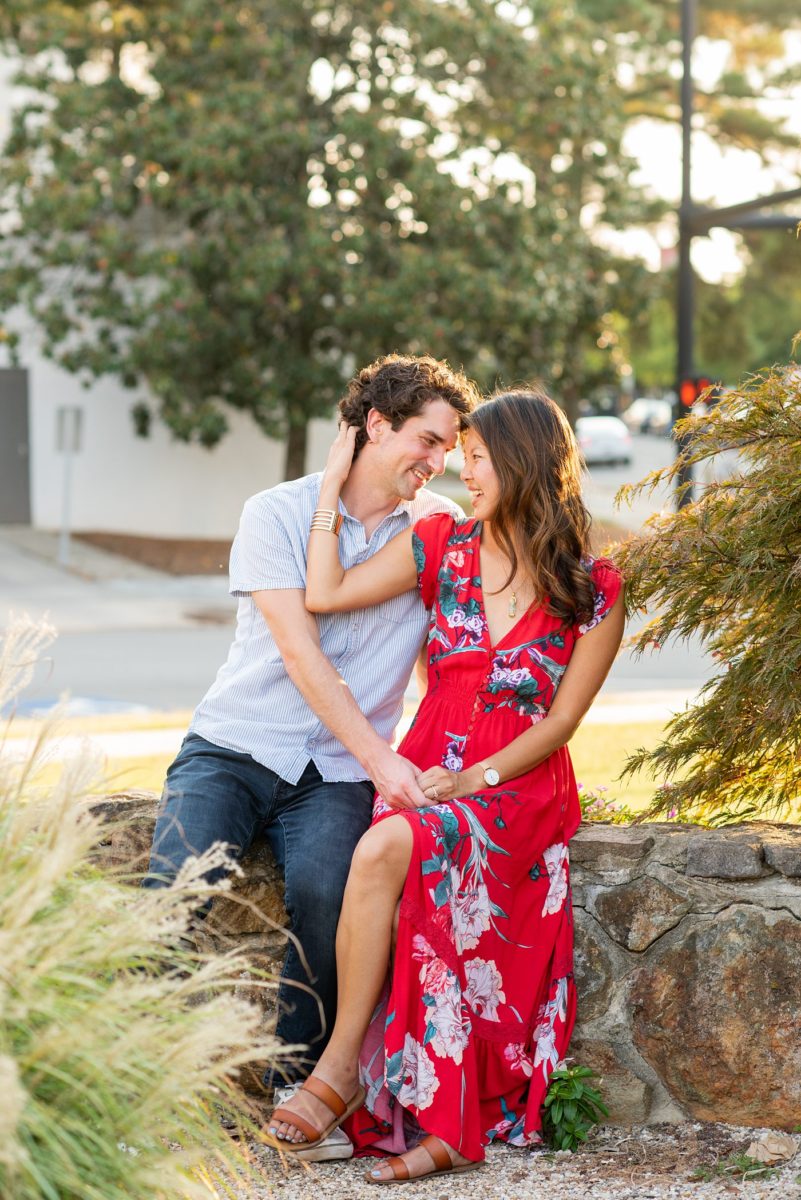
(399, 386)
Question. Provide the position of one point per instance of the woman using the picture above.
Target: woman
(480, 1002)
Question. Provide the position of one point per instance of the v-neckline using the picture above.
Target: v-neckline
(480, 576)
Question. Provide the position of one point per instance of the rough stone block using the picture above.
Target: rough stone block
(128, 821)
(635, 914)
(252, 905)
(782, 850)
(627, 1097)
(725, 854)
(716, 1014)
(604, 846)
(593, 966)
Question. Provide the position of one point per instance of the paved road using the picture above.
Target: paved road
(650, 453)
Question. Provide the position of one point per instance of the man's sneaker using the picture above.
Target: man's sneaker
(336, 1146)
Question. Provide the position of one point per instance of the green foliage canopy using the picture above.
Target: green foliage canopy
(234, 204)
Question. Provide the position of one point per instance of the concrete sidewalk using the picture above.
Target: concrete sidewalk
(101, 591)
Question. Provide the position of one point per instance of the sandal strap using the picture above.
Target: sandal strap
(291, 1118)
(437, 1152)
(398, 1168)
(326, 1094)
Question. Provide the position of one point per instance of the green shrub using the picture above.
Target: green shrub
(727, 569)
(572, 1106)
(118, 1048)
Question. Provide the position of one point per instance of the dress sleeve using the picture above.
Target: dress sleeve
(429, 538)
(607, 583)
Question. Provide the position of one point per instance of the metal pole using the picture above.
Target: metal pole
(69, 428)
(64, 536)
(686, 282)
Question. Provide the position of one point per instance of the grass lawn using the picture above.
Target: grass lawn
(599, 753)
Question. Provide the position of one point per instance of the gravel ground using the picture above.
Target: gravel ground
(656, 1162)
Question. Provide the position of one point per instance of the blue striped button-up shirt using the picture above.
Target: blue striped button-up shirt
(253, 706)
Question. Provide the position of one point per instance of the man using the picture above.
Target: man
(294, 735)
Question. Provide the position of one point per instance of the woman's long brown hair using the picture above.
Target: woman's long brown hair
(540, 521)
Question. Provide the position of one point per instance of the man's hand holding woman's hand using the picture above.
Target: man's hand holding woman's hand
(395, 780)
(438, 783)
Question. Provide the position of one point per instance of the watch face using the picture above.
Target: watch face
(491, 777)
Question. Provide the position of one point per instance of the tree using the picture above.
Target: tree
(727, 568)
(233, 204)
(729, 104)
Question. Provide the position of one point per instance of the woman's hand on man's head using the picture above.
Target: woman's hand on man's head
(340, 456)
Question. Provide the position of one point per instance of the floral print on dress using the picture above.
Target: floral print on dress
(411, 1075)
(601, 605)
(556, 861)
(515, 1054)
(546, 1034)
(448, 1029)
(484, 988)
(452, 759)
(481, 999)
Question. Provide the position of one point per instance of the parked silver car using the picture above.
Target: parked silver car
(648, 415)
(603, 440)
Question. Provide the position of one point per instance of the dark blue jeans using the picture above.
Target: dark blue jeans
(216, 795)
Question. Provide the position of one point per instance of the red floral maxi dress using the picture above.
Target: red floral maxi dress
(481, 1001)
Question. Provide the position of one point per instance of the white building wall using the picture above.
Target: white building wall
(154, 486)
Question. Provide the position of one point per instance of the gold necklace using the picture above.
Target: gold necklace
(512, 609)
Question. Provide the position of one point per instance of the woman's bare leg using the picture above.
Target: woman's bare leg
(364, 936)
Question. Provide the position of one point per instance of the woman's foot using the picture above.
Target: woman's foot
(431, 1157)
(315, 1111)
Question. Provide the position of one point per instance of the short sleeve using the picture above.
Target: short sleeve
(266, 555)
(607, 583)
(429, 538)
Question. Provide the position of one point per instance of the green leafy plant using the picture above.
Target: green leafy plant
(119, 1043)
(740, 1166)
(572, 1107)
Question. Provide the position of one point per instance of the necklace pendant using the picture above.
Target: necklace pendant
(512, 609)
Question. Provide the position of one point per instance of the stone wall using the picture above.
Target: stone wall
(688, 964)
(688, 960)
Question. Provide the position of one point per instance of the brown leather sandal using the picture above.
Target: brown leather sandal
(331, 1099)
(437, 1151)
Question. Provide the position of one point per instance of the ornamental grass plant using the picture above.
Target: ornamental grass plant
(119, 1044)
(727, 568)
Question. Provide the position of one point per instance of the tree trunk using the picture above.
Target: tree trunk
(570, 403)
(295, 458)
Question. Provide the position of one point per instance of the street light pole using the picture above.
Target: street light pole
(697, 221)
(686, 280)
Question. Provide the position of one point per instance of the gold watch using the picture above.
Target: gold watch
(491, 776)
